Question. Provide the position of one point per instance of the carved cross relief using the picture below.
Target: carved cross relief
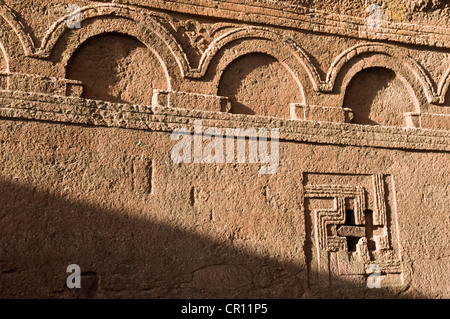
(349, 227)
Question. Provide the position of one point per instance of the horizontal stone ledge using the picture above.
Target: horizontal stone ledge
(321, 113)
(428, 121)
(188, 100)
(40, 84)
(33, 106)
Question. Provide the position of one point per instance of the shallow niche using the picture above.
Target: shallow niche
(258, 84)
(378, 96)
(117, 68)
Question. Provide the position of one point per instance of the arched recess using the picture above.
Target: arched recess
(378, 96)
(258, 84)
(248, 40)
(364, 56)
(60, 42)
(136, 21)
(118, 68)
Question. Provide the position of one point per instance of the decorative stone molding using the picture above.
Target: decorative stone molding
(158, 31)
(387, 56)
(34, 106)
(271, 13)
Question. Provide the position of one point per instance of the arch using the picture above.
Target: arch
(363, 56)
(127, 27)
(248, 40)
(108, 18)
(17, 28)
(143, 19)
(16, 43)
(118, 68)
(380, 61)
(178, 66)
(146, 20)
(259, 84)
(373, 95)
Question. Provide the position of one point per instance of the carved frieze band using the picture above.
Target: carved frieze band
(209, 40)
(33, 106)
(298, 18)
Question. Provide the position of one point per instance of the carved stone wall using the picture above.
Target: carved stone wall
(87, 178)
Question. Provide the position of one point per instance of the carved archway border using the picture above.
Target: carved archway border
(104, 26)
(10, 18)
(140, 23)
(396, 60)
(248, 40)
(377, 60)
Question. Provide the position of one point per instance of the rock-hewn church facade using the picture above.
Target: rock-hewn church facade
(91, 92)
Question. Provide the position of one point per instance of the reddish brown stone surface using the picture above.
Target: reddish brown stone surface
(87, 175)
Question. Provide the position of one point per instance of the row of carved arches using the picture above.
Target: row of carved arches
(122, 53)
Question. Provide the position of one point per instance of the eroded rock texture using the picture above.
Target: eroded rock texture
(356, 92)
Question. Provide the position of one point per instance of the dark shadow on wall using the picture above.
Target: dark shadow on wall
(447, 98)
(258, 84)
(128, 257)
(378, 97)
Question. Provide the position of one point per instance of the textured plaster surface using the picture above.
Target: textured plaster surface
(87, 177)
